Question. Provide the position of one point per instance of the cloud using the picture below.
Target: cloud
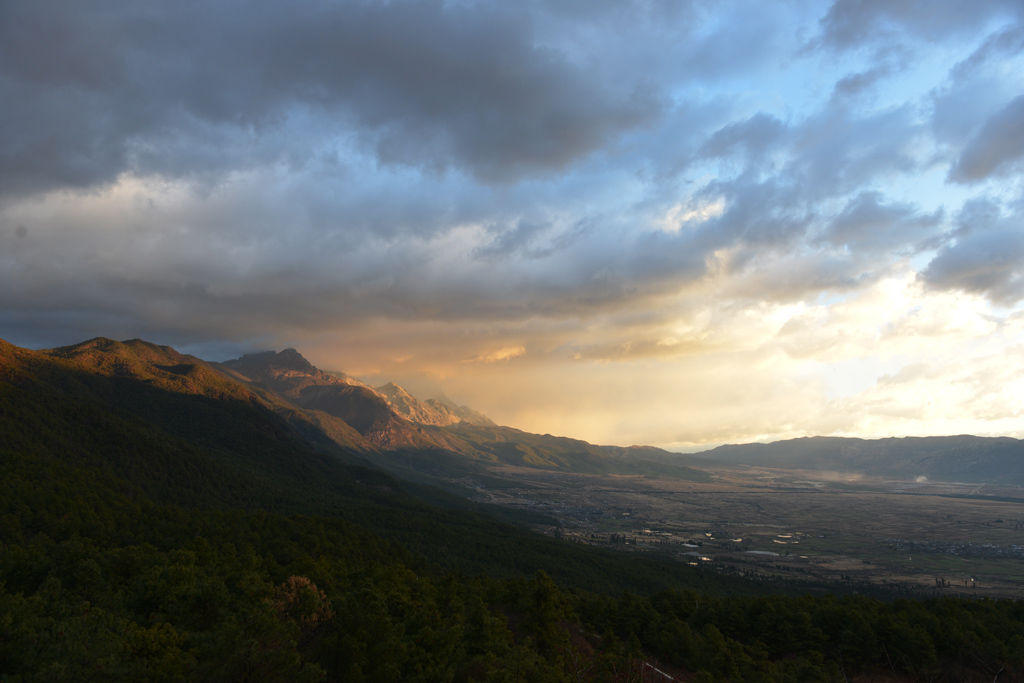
(856, 84)
(985, 255)
(530, 240)
(973, 397)
(989, 262)
(750, 140)
(1000, 44)
(841, 151)
(586, 196)
(851, 23)
(997, 148)
(774, 177)
(754, 370)
(868, 224)
(180, 89)
(499, 355)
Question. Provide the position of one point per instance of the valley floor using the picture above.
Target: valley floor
(953, 539)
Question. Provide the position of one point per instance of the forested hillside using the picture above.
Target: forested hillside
(177, 527)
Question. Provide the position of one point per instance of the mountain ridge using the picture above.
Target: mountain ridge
(430, 441)
(438, 438)
(360, 406)
(352, 420)
(962, 457)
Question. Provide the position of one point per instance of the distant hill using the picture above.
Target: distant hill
(543, 451)
(943, 458)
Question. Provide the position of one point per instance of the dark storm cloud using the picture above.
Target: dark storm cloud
(93, 90)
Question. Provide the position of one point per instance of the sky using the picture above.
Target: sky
(672, 223)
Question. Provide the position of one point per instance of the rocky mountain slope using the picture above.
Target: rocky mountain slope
(295, 379)
(435, 437)
(387, 417)
(426, 441)
(425, 412)
(439, 439)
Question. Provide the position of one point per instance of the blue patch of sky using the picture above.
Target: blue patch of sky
(829, 298)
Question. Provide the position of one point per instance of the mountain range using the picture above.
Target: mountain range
(964, 458)
(432, 441)
(436, 441)
(164, 518)
(426, 440)
(137, 421)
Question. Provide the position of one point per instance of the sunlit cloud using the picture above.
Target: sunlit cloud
(683, 215)
(499, 355)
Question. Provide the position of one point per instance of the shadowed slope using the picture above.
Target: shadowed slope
(73, 418)
(167, 425)
(164, 368)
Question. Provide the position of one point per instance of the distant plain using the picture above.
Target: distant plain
(940, 537)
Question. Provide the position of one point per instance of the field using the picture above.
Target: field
(953, 539)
